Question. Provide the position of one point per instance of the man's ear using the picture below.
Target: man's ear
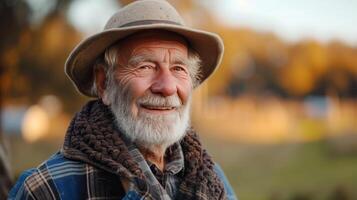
(100, 82)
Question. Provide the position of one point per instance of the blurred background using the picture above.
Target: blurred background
(280, 115)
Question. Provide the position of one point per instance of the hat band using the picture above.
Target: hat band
(146, 22)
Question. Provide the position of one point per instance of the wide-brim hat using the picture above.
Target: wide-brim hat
(136, 17)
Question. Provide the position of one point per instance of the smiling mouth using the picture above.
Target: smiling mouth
(158, 108)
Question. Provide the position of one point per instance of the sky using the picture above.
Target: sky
(90, 16)
(292, 20)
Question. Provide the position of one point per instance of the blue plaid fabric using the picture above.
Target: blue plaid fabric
(167, 189)
(61, 178)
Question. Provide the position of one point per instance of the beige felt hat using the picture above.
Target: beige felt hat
(136, 17)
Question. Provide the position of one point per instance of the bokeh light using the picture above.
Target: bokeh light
(35, 124)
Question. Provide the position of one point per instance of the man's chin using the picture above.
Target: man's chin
(150, 127)
(162, 142)
(165, 119)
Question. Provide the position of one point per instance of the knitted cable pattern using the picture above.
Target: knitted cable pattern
(93, 138)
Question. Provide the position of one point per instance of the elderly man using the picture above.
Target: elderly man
(134, 141)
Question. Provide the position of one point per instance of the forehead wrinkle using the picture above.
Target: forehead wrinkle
(179, 60)
(150, 49)
(149, 55)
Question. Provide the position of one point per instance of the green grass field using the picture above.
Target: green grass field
(287, 171)
(273, 172)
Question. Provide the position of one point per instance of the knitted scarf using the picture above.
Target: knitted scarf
(92, 137)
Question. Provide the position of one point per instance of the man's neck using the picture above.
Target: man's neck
(154, 154)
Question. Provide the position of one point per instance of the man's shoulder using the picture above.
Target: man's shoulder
(51, 178)
(57, 167)
(58, 159)
(227, 186)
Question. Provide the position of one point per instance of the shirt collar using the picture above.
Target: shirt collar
(174, 159)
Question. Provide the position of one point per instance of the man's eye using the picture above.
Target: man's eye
(179, 68)
(143, 67)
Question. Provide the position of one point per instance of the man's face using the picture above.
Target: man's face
(153, 88)
(154, 64)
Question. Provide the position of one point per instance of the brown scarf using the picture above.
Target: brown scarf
(93, 138)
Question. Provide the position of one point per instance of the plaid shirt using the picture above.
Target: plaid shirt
(162, 185)
(61, 178)
(72, 176)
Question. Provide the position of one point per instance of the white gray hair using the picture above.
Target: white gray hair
(109, 63)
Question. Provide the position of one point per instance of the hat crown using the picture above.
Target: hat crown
(145, 12)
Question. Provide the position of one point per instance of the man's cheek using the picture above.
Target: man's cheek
(140, 86)
(185, 92)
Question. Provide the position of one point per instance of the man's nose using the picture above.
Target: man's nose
(164, 84)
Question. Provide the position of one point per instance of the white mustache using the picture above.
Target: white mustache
(155, 100)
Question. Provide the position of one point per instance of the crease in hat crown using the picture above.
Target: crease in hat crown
(145, 11)
(138, 16)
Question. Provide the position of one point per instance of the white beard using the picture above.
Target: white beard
(150, 130)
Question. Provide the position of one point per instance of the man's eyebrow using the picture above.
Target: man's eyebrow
(136, 59)
(180, 60)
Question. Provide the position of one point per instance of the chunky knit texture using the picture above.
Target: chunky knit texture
(93, 138)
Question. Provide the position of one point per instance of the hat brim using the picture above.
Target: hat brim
(79, 64)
